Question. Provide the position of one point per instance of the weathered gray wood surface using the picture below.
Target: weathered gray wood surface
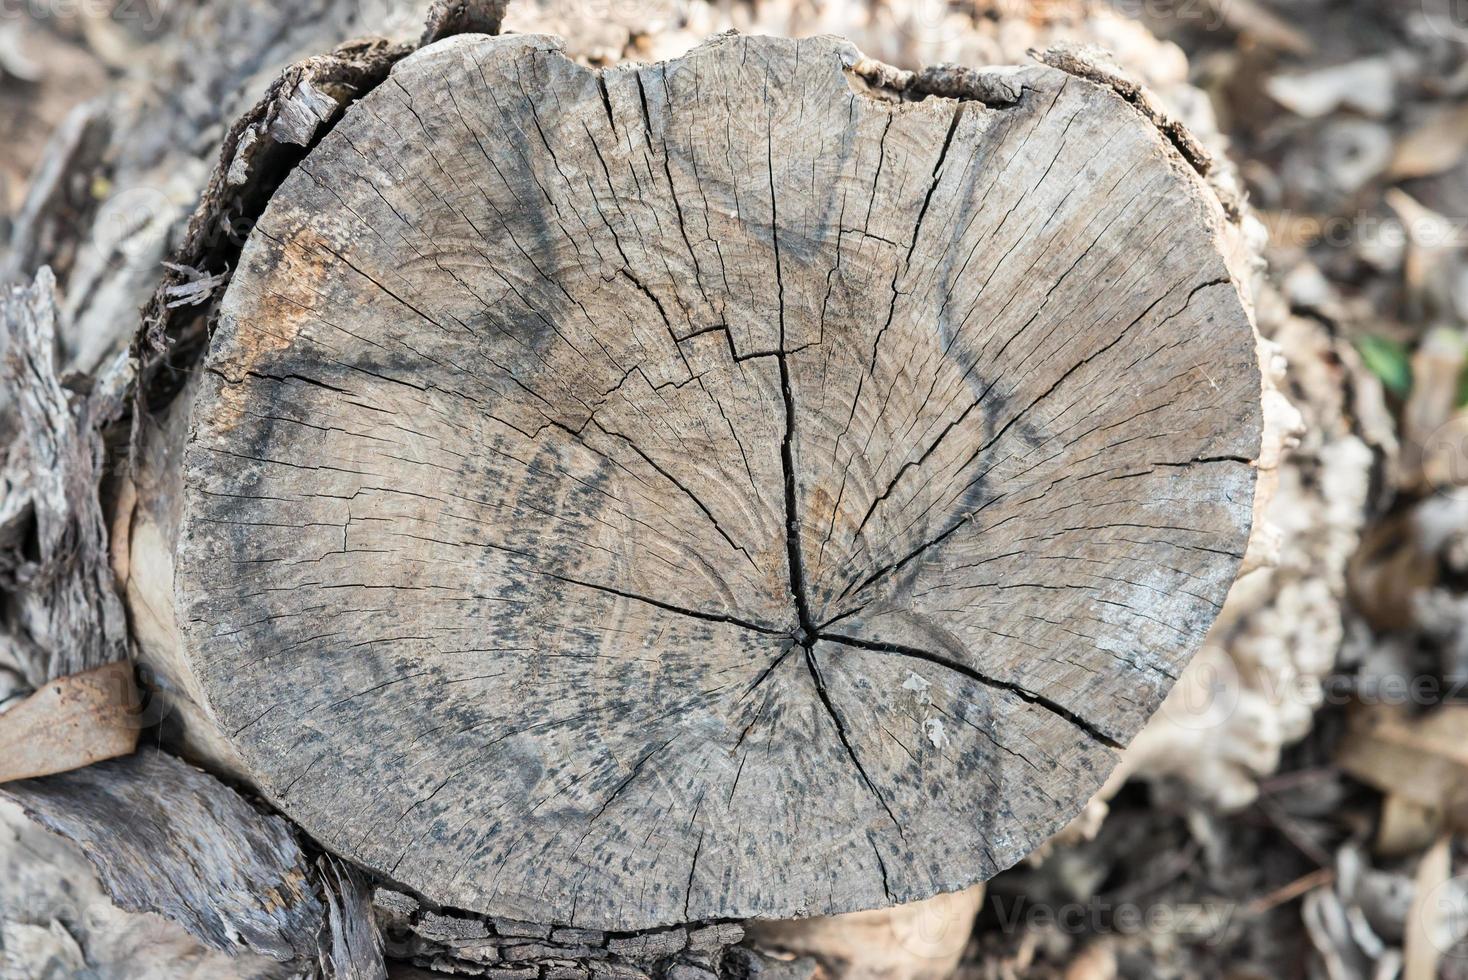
(527, 370)
(165, 837)
(49, 892)
(352, 946)
(59, 614)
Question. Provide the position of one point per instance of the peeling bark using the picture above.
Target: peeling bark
(352, 949)
(54, 914)
(167, 838)
(258, 152)
(510, 949)
(59, 614)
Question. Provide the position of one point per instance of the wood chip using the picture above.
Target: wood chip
(71, 722)
(1425, 759)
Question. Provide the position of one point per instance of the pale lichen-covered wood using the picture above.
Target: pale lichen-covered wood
(713, 489)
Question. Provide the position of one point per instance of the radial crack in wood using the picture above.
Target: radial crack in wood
(708, 489)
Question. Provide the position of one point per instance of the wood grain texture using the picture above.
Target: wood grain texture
(711, 489)
(168, 838)
(47, 887)
(352, 946)
(59, 613)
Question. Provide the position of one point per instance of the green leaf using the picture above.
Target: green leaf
(1388, 360)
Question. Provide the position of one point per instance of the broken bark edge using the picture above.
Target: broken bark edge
(449, 17)
(438, 938)
(994, 87)
(997, 88)
(1091, 63)
(258, 152)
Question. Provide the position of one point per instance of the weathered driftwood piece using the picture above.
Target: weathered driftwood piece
(352, 946)
(59, 614)
(70, 722)
(48, 891)
(526, 372)
(38, 227)
(167, 838)
(449, 17)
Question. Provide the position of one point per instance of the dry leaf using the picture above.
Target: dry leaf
(1406, 827)
(1258, 22)
(1366, 85)
(69, 723)
(1433, 243)
(1436, 145)
(1423, 947)
(1424, 759)
(1388, 570)
(918, 941)
(1096, 962)
(1427, 460)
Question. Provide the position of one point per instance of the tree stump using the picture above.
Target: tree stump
(715, 489)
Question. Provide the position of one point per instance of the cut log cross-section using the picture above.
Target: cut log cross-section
(714, 489)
